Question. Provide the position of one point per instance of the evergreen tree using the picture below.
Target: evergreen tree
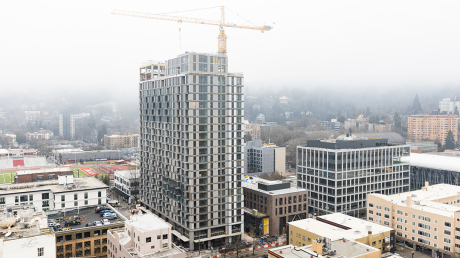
(397, 120)
(416, 107)
(450, 141)
(456, 110)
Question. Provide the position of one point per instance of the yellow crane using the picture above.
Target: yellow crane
(222, 38)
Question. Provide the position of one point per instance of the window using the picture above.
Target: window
(152, 247)
(16, 198)
(86, 202)
(31, 197)
(379, 207)
(45, 196)
(86, 195)
(447, 232)
(165, 236)
(165, 245)
(371, 212)
(63, 198)
(399, 212)
(75, 196)
(447, 224)
(99, 201)
(75, 204)
(159, 237)
(371, 205)
(99, 194)
(447, 248)
(45, 203)
(41, 251)
(371, 219)
(148, 240)
(62, 205)
(2, 200)
(387, 209)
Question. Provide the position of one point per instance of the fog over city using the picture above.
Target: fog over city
(76, 49)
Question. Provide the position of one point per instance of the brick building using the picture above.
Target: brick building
(27, 176)
(275, 199)
(432, 127)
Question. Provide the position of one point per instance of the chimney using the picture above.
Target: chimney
(409, 201)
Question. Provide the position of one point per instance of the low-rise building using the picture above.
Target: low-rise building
(27, 176)
(112, 142)
(144, 236)
(428, 218)
(276, 200)
(24, 232)
(323, 248)
(40, 135)
(66, 156)
(264, 158)
(127, 184)
(66, 192)
(340, 226)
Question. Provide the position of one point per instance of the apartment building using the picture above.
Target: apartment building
(191, 147)
(67, 126)
(340, 226)
(264, 158)
(144, 236)
(432, 127)
(280, 202)
(427, 219)
(113, 142)
(127, 184)
(340, 173)
(40, 135)
(253, 130)
(448, 105)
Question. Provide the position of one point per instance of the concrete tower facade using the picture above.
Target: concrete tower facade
(191, 145)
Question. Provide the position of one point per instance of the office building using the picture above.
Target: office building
(340, 226)
(113, 142)
(340, 173)
(191, 147)
(322, 248)
(269, 205)
(434, 168)
(264, 158)
(447, 105)
(427, 218)
(63, 193)
(144, 236)
(127, 184)
(432, 127)
(29, 236)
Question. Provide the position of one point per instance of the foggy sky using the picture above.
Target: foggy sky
(331, 45)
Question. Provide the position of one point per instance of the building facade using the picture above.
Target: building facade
(191, 147)
(65, 193)
(253, 130)
(127, 184)
(113, 142)
(276, 199)
(27, 176)
(448, 105)
(340, 226)
(66, 126)
(432, 127)
(340, 173)
(143, 236)
(264, 158)
(426, 219)
(40, 135)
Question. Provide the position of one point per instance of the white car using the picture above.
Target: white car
(97, 223)
(105, 221)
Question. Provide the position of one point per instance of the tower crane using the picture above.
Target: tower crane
(222, 38)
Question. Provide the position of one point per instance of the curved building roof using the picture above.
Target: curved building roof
(393, 138)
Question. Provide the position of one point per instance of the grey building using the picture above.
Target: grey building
(191, 147)
(264, 158)
(340, 173)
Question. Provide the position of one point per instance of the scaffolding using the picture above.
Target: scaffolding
(420, 175)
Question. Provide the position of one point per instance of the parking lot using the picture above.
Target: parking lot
(88, 215)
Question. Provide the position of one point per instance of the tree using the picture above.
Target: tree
(374, 119)
(340, 117)
(101, 133)
(416, 106)
(397, 120)
(450, 141)
(20, 138)
(106, 180)
(456, 111)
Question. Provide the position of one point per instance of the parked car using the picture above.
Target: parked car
(97, 223)
(105, 221)
(110, 216)
(101, 209)
(59, 219)
(106, 212)
(65, 229)
(51, 224)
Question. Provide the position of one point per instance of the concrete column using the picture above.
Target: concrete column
(191, 244)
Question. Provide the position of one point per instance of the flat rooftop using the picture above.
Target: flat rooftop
(253, 184)
(29, 223)
(147, 222)
(427, 199)
(46, 170)
(344, 249)
(53, 186)
(347, 143)
(443, 162)
(345, 226)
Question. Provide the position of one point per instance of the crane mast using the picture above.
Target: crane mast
(222, 38)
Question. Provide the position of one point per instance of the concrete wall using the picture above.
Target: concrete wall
(28, 246)
(280, 160)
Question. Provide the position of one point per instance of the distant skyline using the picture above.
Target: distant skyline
(330, 45)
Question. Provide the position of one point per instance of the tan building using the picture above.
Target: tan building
(253, 130)
(321, 248)
(432, 127)
(112, 142)
(428, 218)
(340, 226)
